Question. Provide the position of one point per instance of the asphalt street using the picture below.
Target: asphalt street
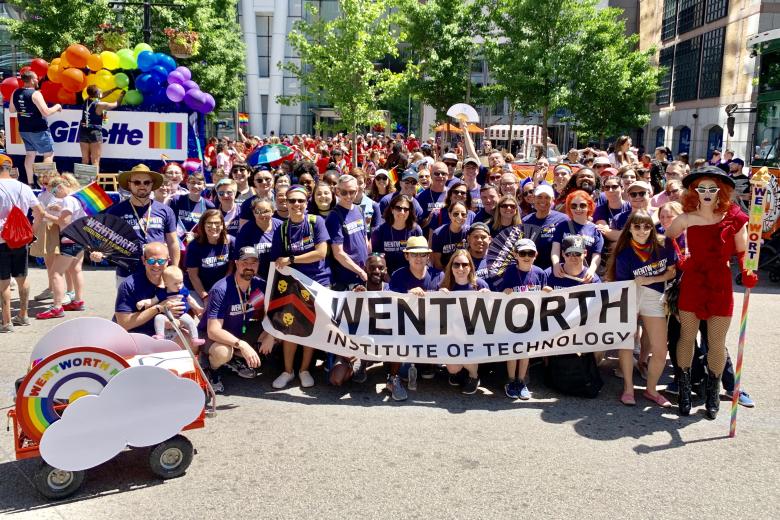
(351, 452)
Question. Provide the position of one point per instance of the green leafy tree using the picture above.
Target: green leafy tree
(440, 35)
(339, 61)
(612, 90)
(47, 28)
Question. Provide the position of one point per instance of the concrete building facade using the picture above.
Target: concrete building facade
(702, 45)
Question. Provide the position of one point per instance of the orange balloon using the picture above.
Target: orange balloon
(77, 55)
(55, 72)
(94, 62)
(72, 80)
(65, 97)
(64, 63)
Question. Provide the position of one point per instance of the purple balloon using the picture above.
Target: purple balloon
(195, 99)
(208, 104)
(184, 71)
(190, 85)
(176, 77)
(175, 92)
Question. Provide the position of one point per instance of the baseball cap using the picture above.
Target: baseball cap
(544, 189)
(738, 161)
(5, 159)
(572, 244)
(470, 160)
(449, 156)
(525, 244)
(601, 160)
(609, 171)
(409, 174)
(381, 171)
(643, 185)
(247, 252)
(478, 226)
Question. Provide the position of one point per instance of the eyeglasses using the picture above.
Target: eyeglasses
(459, 214)
(348, 192)
(708, 189)
(526, 254)
(507, 206)
(637, 194)
(213, 224)
(460, 193)
(225, 193)
(401, 209)
(642, 227)
(381, 179)
(611, 187)
(296, 201)
(141, 183)
(452, 164)
(264, 179)
(575, 254)
(239, 170)
(528, 192)
(601, 165)
(158, 261)
(508, 184)
(439, 174)
(418, 255)
(411, 182)
(582, 205)
(460, 265)
(262, 212)
(494, 178)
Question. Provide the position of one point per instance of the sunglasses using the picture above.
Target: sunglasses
(381, 179)
(439, 174)
(601, 165)
(494, 178)
(263, 212)
(158, 261)
(507, 206)
(402, 209)
(141, 183)
(296, 201)
(452, 164)
(575, 254)
(526, 254)
(225, 193)
(611, 187)
(642, 227)
(637, 194)
(582, 205)
(418, 255)
(459, 214)
(411, 182)
(263, 179)
(711, 190)
(460, 265)
(528, 192)
(459, 192)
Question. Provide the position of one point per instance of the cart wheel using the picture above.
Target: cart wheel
(57, 483)
(738, 279)
(171, 458)
(774, 276)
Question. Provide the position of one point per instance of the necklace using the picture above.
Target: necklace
(143, 226)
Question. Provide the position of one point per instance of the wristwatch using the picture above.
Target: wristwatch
(237, 343)
(292, 259)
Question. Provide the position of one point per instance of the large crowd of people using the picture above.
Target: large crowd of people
(392, 213)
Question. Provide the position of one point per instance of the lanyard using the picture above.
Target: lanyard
(143, 227)
(243, 297)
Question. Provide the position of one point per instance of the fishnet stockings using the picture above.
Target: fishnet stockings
(717, 327)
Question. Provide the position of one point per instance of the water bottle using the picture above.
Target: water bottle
(412, 377)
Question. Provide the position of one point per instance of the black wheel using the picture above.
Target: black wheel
(57, 483)
(171, 458)
(774, 276)
(738, 279)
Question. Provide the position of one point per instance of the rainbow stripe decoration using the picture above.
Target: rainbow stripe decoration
(392, 174)
(243, 118)
(93, 198)
(165, 136)
(16, 137)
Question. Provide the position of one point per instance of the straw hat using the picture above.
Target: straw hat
(124, 177)
(417, 245)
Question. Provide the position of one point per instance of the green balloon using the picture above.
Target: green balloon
(121, 80)
(126, 59)
(133, 98)
(141, 47)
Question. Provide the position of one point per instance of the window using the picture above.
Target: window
(715, 10)
(711, 63)
(669, 23)
(264, 45)
(685, 84)
(684, 142)
(690, 15)
(666, 60)
(714, 140)
(660, 136)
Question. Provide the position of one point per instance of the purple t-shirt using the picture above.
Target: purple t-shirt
(251, 235)
(441, 217)
(163, 294)
(591, 236)
(562, 283)
(607, 214)
(430, 200)
(446, 241)
(402, 280)
(522, 281)
(156, 221)
(541, 231)
(225, 303)
(231, 221)
(132, 290)
(481, 284)
(348, 228)
(392, 243)
(301, 238)
(211, 260)
(385, 201)
(628, 265)
(187, 212)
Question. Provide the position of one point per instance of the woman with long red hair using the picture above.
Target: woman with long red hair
(715, 232)
(579, 207)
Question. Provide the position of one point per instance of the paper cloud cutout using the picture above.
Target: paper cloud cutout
(140, 406)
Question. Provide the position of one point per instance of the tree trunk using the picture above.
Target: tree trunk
(545, 112)
(354, 147)
(601, 141)
(511, 124)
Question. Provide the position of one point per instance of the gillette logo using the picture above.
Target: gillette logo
(117, 133)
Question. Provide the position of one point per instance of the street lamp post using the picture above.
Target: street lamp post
(147, 5)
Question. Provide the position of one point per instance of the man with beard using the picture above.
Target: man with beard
(477, 242)
(233, 320)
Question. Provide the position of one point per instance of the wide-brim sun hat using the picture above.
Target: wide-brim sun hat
(417, 245)
(124, 177)
(712, 172)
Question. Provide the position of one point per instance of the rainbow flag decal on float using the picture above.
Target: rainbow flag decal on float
(93, 198)
(165, 136)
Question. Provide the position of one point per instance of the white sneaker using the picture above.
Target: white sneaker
(283, 380)
(306, 380)
(66, 299)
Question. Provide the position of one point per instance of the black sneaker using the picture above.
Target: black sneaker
(359, 375)
(471, 386)
(428, 372)
(458, 379)
(239, 367)
(216, 380)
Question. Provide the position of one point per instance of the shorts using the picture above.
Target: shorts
(40, 142)
(70, 249)
(13, 262)
(90, 135)
(253, 330)
(650, 303)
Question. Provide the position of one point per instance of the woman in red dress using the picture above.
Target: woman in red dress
(716, 232)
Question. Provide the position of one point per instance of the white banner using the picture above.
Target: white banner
(126, 135)
(455, 327)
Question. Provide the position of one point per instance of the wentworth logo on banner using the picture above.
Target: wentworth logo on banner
(455, 327)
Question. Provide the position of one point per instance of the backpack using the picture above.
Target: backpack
(285, 237)
(17, 231)
(574, 374)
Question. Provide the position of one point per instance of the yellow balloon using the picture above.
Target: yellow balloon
(105, 81)
(110, 60)
(92, 79)
(114, 96)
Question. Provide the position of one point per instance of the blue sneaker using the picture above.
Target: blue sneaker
(523, 391)
(744, 399)
(511, 390)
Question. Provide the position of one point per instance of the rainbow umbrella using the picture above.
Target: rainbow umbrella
(270, 154)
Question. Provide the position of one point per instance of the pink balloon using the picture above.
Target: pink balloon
(175, 92)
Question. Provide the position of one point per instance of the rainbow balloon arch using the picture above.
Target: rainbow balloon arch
(152, 82)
